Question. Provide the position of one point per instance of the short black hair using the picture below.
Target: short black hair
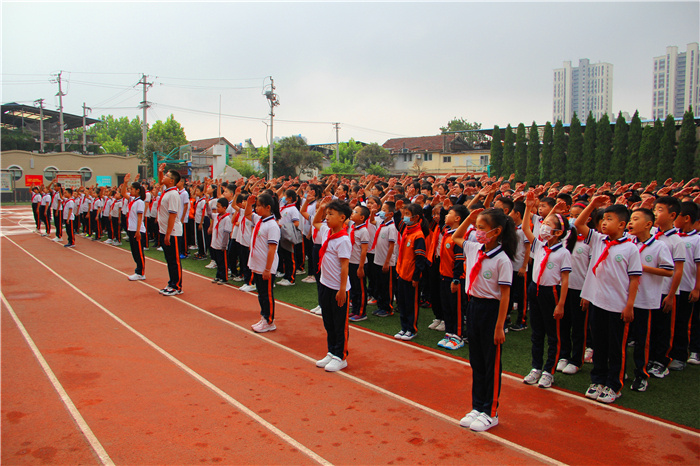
(461, 211)
(690, 209)
(364, 211)
(673, 204)
(175, 175)
(390, 205)
(343, 208)
(506, 203)
(648, 213)
(548, 200)
(622, 213)
(223, 202)
(566, 198)
(519, 207)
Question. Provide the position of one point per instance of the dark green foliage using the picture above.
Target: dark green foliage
(649, 151)
(291, 157)
(685, 157)
(667, 150)
(496, 153)
(619, 153)
(508, 165)
(520, 153)
(533, 156)
(603, 150)
(634, 140)
(546, 169)
(574, 151)
(589, 143)
(17, 140)
(559, 172)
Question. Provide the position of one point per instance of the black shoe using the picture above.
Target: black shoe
(639, 384)
(426, 305)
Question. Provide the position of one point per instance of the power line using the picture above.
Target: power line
(212, 79)
(206, 87)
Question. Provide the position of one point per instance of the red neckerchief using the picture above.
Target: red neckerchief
(205, 205)
(218, 221)
(255, 232)
(408, 230)
(476, 269)
(163, 195)
(128, 212)
(376, 235)
(286, 207)
(580, 238)
(543, 264)
(608, 244)
(322, 252)
(354, 228)
(690, 233)
(648, 242)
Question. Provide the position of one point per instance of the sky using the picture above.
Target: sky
(381, 70)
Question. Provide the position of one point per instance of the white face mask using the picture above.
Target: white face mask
(547, 232)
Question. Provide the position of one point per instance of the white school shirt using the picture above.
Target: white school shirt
(200, 210)
(339, 248)
(361, 237)
(290, 214)
(185, 198)
(107, 206)
(137, 207)
(691, 243)
(387, 234)
(97, 203)
(559, 261)
(673, 241)
(45, 199)
(519, 257)
(536, 224)
(153, 211)
(83, 206)
(245, 229)
(580, 260)
(116, 208)
(125, 203)
(268, 233)
(147, 204)
(36, 198)
(372, 228)
(70, 204)
(169, 203)
(652, 253)
(56, 200)
(211, 211)
(609, 287)
(306, 225)
(221, 231)
(496, 270)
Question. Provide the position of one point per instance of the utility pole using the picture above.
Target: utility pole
(85, 129)
(41, 123)
(145, 105)
(60, 109)
(337, 144)
(274, 102)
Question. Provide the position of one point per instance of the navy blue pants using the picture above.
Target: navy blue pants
(484, 354)
(221, 258)
(172, 258)
(453, 305)
(243, 254)
(433, 283)
(385, 289)
(335, 320)
(266, 297)
(543, 324)
(369, 273)
(661, 337)
(574, 329)
(609, 349)
(408, 305)
(681, 327)
(358, 291)
(640, 335)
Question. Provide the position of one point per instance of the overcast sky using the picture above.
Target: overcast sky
(380, 69)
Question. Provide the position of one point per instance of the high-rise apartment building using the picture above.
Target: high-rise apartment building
(583, 89)
(676, 82)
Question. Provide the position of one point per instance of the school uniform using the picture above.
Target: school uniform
(153, 220)
(358, 290)
(518, 292)
(36, 202)
(244, 238)
(543, 297)
(83, 208)
(219, 244)
(44, 208)
(684, 308)
(290, 214)
(432, 277)
(265, 233)
(369, 266)
(123, 211)
(57, 218)
(307, 232)
(574, 325)
(134, 208)
(385, 235)
(231, 243)
(170, 203)
(451, 260)
(487, 272)
(335, 246)
(95, 219)
(200, 212)
(606, 288)
(69, 218)
(185, 205)
(412, 261)
(107, 218)
(115, 217)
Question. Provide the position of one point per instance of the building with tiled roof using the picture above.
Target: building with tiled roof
(439, 154)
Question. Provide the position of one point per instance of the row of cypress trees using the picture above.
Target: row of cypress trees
(597, 152)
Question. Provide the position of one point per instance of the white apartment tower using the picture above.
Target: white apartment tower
(676, 82)
(586, 88)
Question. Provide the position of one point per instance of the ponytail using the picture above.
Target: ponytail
(508, 238)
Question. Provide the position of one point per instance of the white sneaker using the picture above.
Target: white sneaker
(319, 311)
(399, 335)
(56, 239)
(279, 275)
(118, 243)
(237, 278)
(313, 311)
(694, 359)
(484, 422)
(192, 248)
(454, 343)
(109, 241)
(285, 282)
(434, 325)
(467, 420)
(408, 336)
(570, 369)
(562, 364)
(210, 265)
(608, 395)
(546, 380)
(324, 362)
(309, 279)
(533, 377)
(442, 344)
(247, 288)
(299, 272)
(160, 249)
(135, 277)
(336, 364)
(588, 356)
(257, 324)
(265, 327)
(441, 326)
(594, 391)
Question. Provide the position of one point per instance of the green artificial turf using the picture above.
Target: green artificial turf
(674, 398)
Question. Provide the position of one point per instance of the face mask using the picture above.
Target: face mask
(407, 220)
(572, 221)
(283, 202)
(547, 232)
(481, 236)
(381, 214)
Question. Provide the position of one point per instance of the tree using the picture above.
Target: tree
(243, 167)
(520, 153)
(341, 167)
(546, 161)
(574, 151)
(667, 150)
(619, 153)
(347, 151)
(603, 150)
(376, 169)
(374, 154)
(589, 143)
(496, 153)
(460, 124)
(17, 139)
(633, 168)
(292, 157)
(113, 135)
(508, 165)
(558, 154)
(533, 156)
(685, 157)
(648, 149)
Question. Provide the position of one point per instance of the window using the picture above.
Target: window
(428, 157)
(16, 172)
(86, 173)
(407, 157)
(50, 173)
(484, 160)
(446, 159)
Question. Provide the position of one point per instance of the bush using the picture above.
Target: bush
(344, 168)
(376, 169)
(244, 168)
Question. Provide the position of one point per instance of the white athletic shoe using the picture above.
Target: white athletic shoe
(336, 364)
(56, 239)
(285, 282)
(247, 288)
(279, 275)
(570, 369)
(318, 311)
(533, 377)
(408, 336)
(467, 420)
(546, 380)
(400, 335)
(265, 327)
(210, 265)
(562, 364)
(109, 241)
(160, 249)
(434, 324)
(317, 308)
(309, 279)
(324, 362)
(441, 326)
(484, 422)
(135, 277)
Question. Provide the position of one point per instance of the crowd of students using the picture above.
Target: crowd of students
(593, 269)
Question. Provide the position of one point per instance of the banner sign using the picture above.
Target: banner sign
(104, 180)
(70, 181)
(5, 182)
(33, 180)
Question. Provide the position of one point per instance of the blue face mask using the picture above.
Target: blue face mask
(381, 214)
(407, 220)
(283, 201)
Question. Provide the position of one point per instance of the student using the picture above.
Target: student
(656, 264)
(106, 216)
(244, 238)
(135, 228)
(689, 287)
(431, 280)
(383, 244)
(200, 211)
(115, 214)
(359, 239)
(56, 208)
(290, 214)
(184, 216)
(374, 204)
(170, 228)
(334, 286)
(263, 254)
(220, 239)
(36, 202)
(666, 209)
(488, 261)
(44, 211)
(518, 295)
(69, 217)
(153, 217)
(610, 290)
(547, 293)
(96, 215)
(308, 211)
(412, 261)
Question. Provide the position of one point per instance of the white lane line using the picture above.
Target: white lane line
(555, 391)
(75, 414)
(293, 443)
(445, 417)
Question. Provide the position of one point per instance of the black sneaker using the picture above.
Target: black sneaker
(518, 327)
(639, 384)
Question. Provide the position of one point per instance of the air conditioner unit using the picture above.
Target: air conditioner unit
(418, 156)
(404, 150)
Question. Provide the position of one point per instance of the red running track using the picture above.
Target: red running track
(134, 391)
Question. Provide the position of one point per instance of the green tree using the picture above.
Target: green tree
(374, 154)
(603, 150)
(558, 154)
(533, 156)
(648, 150)
(632, 167)
(619, 153)
(685, 157)
(589, 145)
(344, 168)
(347, 151)
(112, 146)
(460, 124)
(496, 153)
(243, 167)
(17, 140)
(292, 157)
(164, 136)
(574, 151)
(508, 165)
(376, 169)
(667, 151)
(547, 159)
(520, 153)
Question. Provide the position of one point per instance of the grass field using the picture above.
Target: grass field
(674, 398)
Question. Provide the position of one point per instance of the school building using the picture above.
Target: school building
(440, 154)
